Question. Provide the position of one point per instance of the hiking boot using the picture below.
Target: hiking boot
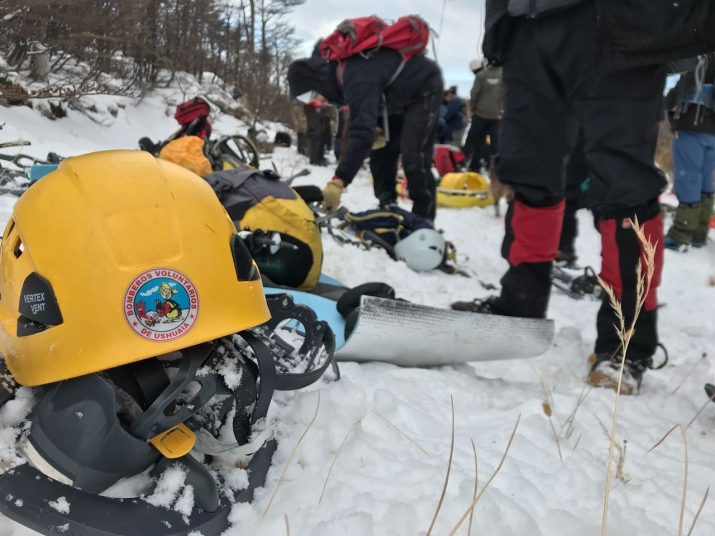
(699, 243)
(605, 370)
(485, 306)
(671, 244)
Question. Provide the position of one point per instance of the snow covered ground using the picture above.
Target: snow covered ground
(382, 484)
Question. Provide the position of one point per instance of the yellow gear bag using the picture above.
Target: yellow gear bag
(188, 152)
(258, 200)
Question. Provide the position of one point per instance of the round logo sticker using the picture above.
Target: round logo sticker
(161, 304)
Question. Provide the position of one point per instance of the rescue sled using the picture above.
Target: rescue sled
(412, 335)
(462, 190)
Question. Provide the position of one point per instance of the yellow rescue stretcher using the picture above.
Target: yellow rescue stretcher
(461, 190)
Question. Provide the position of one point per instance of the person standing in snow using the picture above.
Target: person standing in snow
(691, 111)
(341, 133)
(300, 125)
(576, 175)
(411, 104)
(330, 126)
(568, 63)
(316, 120)
(454, 117)
(487, 98)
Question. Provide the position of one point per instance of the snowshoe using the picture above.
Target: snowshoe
(88, 434)
(577, 287)
(606, 369)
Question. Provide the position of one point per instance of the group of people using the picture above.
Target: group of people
(487, 105)
(575, 84)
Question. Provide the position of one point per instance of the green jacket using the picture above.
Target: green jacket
(488, 93)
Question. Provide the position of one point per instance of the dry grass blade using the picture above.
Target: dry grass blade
(290, 458)
(335, 459)
(287, 526)
(446, 478)
(711, 399)
(620, 475)
(568, 424)
(578, 440)
(415, 443)
(685, 478)
(476, 483)
(689, 373)
(697, 515)
(547, 406)
(494, 474)
(643, 282)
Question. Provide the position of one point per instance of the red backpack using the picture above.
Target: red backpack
(366, 35)
(188, 112)
(447, 159)
(409, 36)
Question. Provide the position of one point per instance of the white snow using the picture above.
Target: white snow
(61, 505)
(382, 484)
(185, 503)
(168, 488)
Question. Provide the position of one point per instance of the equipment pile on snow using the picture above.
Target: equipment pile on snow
(140, 319)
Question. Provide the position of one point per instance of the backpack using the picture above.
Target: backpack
(260, 202)
(365, 35)
(188, 152)
(194, 116)
(385, 226)
(448, 159)
(409, 36)
(700, 94)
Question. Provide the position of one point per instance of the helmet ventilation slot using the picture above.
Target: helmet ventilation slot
(19, 248)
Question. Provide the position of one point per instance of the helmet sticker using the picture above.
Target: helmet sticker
(161, 304)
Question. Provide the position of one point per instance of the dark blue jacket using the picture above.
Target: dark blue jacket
(454, 117)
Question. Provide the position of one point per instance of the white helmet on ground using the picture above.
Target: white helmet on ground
(477, 63)
(423, 250)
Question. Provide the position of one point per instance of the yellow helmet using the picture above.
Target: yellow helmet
(116, 257)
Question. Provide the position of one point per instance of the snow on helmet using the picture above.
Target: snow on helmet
(423, 250)
(477, 63)
(87, 258)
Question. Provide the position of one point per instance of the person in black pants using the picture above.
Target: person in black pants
(554, 85)
(412, 135)
(374, 87)
(487, 107)
(576, 176)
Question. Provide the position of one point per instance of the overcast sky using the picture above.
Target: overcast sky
(458, 42)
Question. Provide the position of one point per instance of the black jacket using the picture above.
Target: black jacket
(364, 82)
(689, 116)
(633, 32)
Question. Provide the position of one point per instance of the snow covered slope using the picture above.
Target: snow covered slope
(383, 484)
